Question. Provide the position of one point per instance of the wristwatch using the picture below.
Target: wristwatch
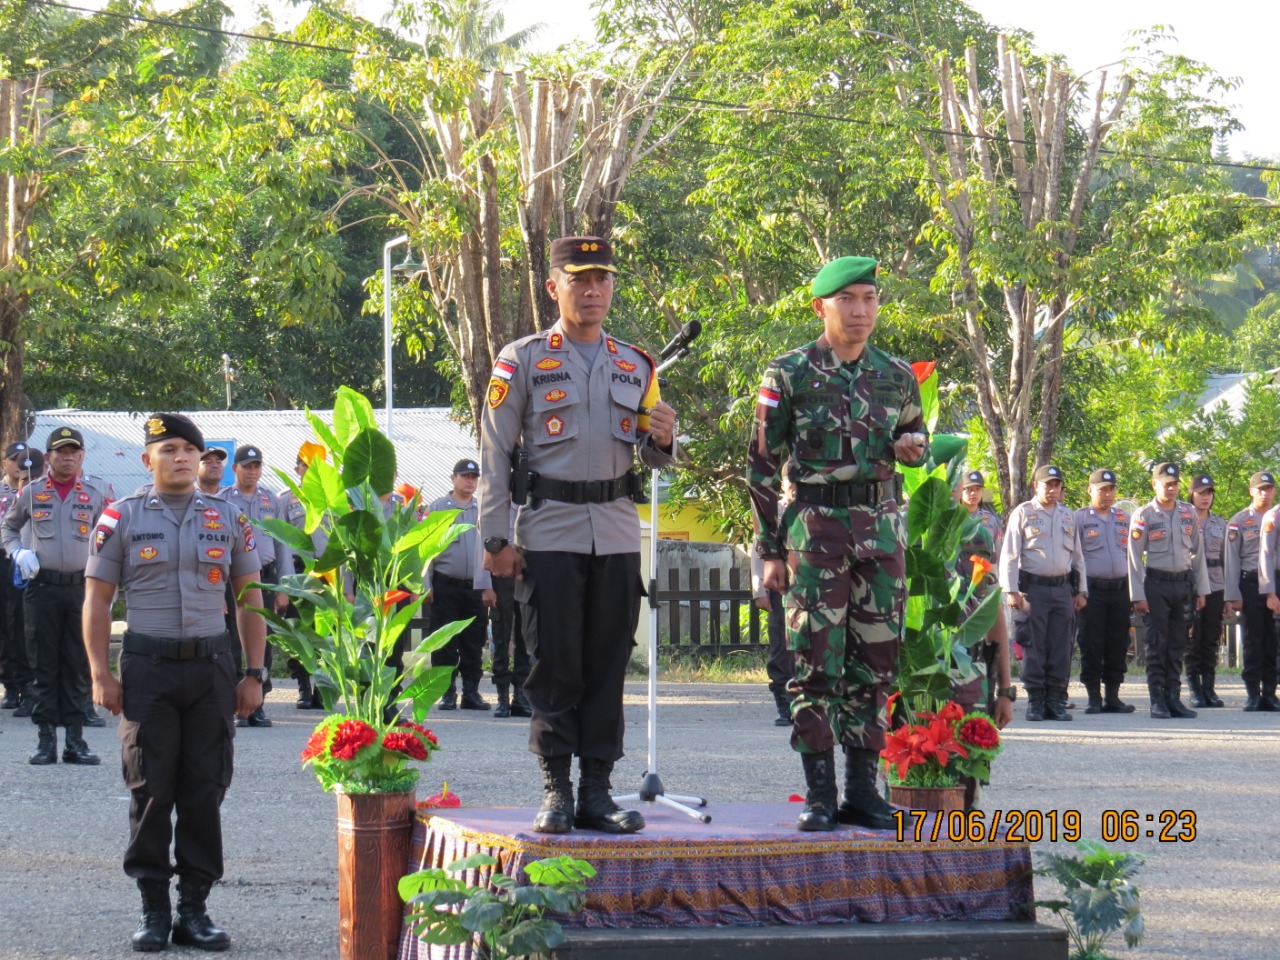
(258, 673)
(1009, 693)
(495, 544)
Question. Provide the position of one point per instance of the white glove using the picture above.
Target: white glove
(27, 561)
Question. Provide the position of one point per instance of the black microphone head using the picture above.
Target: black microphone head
(691, 330)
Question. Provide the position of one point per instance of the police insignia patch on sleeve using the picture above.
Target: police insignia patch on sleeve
(497, 392)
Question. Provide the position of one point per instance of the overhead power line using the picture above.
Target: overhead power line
(717, 104)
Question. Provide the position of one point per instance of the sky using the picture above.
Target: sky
(1238, 38)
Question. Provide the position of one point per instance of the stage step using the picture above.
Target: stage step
(949, 940)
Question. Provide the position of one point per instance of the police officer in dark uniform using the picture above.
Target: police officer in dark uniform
(459, 588)
(171, 549)
(1103, 529)
(582, 404)
(1244, 594)
(1206, 628)
(60, 509)
(510, 655)
(19, 461)
(257, 503)
(1168, 581)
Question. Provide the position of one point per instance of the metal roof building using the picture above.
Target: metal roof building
(429, 441)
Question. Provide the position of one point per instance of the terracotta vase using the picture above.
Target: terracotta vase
(941, 799)
(375, 832)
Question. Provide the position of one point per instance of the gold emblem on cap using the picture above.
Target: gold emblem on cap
(155, 426)
(66, 432)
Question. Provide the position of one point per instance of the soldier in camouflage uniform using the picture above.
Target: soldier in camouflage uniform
(840, 412)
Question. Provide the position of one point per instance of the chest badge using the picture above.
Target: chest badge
(148, 553)
(625, 424)
(555, 426)
(548, 363)
(212, 525)
(215, 575)
(555, 396)
(212, 514)
(625, 365)
(215, 553)
(84, 498)
(43, 497)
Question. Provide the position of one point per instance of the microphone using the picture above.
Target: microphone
(688, 333)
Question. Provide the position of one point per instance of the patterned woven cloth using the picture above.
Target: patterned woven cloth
(748, 867)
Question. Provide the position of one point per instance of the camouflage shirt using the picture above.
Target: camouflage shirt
(834, 422)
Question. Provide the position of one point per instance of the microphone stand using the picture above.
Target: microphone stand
(651, 788)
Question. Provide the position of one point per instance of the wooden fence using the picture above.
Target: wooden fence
(705, 619)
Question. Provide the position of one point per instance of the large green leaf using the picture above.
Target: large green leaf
(928, 502)
(352, 413)
(323, 492)
(981, 620)
(285, 532)
(370, 457)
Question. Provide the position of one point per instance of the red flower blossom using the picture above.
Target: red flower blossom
(315, 746)
(981, 567)
(951, 713)
(923, 369)
(405, 743)
(420, 731)
(350, 738)
(980, 733)
(940, 740)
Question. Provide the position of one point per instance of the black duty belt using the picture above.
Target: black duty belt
(60, 578)
(1100, 583)
(1213, 563)
(1248, 576)
(584, 491)
(1036, 580)
(1170, 576)
(447, 581)
(842, 494)
(168, 648)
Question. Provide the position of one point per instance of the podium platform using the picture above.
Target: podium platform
(750, 875)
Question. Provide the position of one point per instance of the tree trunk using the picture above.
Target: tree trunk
(23, 106)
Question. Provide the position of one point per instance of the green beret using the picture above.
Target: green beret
(840, 273)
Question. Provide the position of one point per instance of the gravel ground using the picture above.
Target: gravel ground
(63, 828)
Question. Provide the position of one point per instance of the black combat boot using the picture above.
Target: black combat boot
(258, 718)
(76, 750)
(1207, 680)
(304, 692)
(91, 717)
(1055, 706)
(1113, 703)
(780, 700)
(504, 701)
(28, 703)
(596, 809)
(1268, 700)
(1252, 701)
(1197, 691)
(820, 799)
(12, 697)
(193, 927)
(1159, 708)
(471, 699)
(520, 704)
(556, 813)
(863, 805)
(449, 699)
(1035, 705)
(153, 932)
(1095, 697)
(1172, 699)
(46, 746)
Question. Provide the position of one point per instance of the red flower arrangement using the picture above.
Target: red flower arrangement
(359, 758)
(937, 749)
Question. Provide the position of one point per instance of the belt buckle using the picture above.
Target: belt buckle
(186, 650)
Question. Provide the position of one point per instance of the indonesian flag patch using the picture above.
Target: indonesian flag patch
(768, 397)
(504, 369)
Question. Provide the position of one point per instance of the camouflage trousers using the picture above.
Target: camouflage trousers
(844, 612)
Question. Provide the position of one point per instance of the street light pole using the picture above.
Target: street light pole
(386, 321)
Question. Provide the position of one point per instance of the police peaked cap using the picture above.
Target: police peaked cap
(1047, 472)
(579, 254)
(172, 426)
(1165, 471)
(838, 274)
(64, 437)
(1103, 478)
(248, 454)
(1202, 481)
(1263, 478)
(973, 479)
